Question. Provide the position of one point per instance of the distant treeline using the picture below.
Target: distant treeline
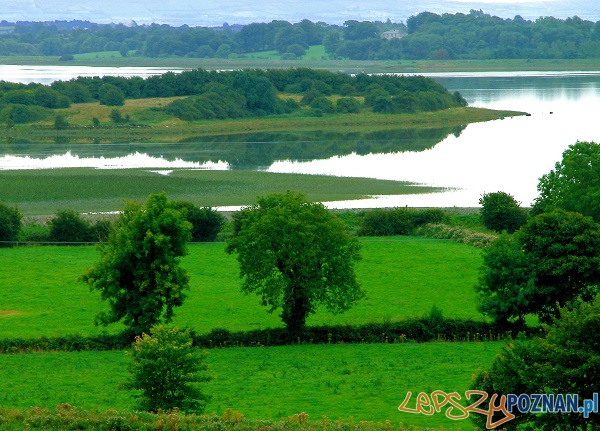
(234, 94)
(425, 36)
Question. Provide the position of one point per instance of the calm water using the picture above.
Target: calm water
(508, 155)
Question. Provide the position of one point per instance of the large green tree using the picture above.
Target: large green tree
(565, 361)
(553, 259)
(295, 255)
(574, 183)
(138, 273)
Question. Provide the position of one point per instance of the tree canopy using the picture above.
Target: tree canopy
(296, 255)
(574, 183)
(565, 361)
(553, 259)
(138, 273)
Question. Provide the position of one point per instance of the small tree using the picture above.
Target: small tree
(10, 223)
(167, 369)
(69, 226)
(138, 273)
(296, 255)
(60, 123)
(111, 95)
(500, 211)
(206, 222)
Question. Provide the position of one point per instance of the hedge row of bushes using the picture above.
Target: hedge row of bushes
(66, 416)
(466, 236)
(433, 327)
(398, 221)
(68, 226)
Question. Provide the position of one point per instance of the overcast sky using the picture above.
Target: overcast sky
(216, 12)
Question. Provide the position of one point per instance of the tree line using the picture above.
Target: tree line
(233, 94)
(475, 35)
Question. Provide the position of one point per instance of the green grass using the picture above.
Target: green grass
(403, 277)
(43, 192)
(313, 59)
(363, 382)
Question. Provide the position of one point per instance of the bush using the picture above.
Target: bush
(10, 223)
(398, 221)
(166, 369)
(206, 222)
(69, 226)
(111, 95)
(500, 211)
(348, 105)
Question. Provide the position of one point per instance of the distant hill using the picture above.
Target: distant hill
(179, 12)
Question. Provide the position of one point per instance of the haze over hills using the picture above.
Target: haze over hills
(215, 13)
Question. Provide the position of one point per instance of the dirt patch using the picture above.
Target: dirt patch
(8, 312)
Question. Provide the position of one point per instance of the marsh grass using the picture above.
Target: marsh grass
(347, 382)
(402, 276)
(43, 192)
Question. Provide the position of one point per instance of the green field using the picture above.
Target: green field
(402, 276)
(347, 382)
(313, 59)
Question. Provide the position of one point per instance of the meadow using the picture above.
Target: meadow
(45, 191)
(346, 382)
(402, 276)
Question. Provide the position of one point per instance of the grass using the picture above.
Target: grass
(402, 276)
(313, 59)
(43, 192)
(348, 382)
(153, 126)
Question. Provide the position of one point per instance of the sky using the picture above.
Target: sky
(215, 13)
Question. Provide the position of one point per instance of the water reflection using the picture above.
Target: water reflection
(257, 151)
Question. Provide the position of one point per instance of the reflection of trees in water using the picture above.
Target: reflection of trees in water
(257, 150)
(260, 150)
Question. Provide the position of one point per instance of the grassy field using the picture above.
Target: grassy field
(43, 192)
(402, 276)
(153, 126)
(348, 382)
(313, 59)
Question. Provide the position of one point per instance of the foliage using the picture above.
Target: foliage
(166, 369)
(467, 236)
(206, 222)
(500, 211)
(69, 226)
(398, 221)
(60, 123)
(10, 223)
(553, 259)
(139, 274)
(295, 255)
(111, 95)
(566, 361)
(574, 183)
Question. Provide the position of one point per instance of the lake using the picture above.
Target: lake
(506, 155)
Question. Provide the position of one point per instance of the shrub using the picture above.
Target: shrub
(500, 211)
(69, 226)
(398, 221)
(111, 95)
(206, 222)
(10, 223)
(348, 105)
(166, 369)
